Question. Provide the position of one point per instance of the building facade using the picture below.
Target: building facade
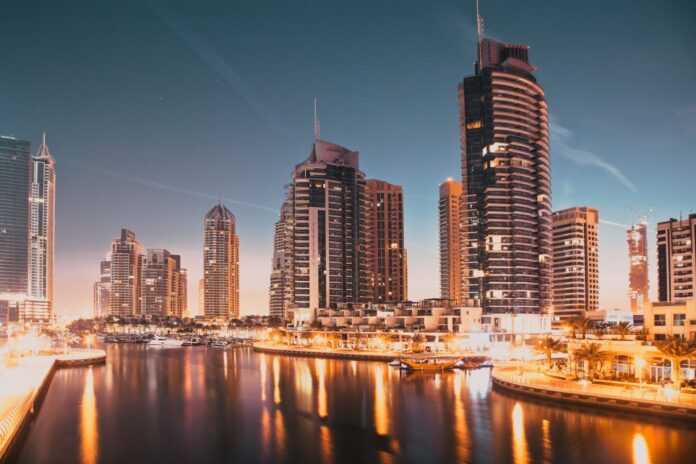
(126, 266)
(637, 239)
(327, 230)
(220, 265)
(664, 319)
(280, 291)
(450, 193)
(42, 229)
(506, 183)
(102, 290)
(575, 261)
(676, 259)
(389, 261)
(163, 285)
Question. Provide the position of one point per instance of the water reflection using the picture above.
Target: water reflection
(381, 408)
(461, 430)
(322, 408)
(276, 380)
(640, 449)
(89, 433)
(546, 437)
(519, 441)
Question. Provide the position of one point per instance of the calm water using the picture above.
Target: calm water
(170, 405)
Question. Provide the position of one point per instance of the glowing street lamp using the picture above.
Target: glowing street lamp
(640, 363)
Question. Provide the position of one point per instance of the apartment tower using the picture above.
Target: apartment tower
(676, 259)
(386, 216)
(637, 239)
(220, 265)
(279, 292)
(575, 261)
(163, 284)
(450, 193)
(506, 186)
(126, 266)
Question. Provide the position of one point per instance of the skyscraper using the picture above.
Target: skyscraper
(676, 259)
(389, 268)
(280, 292)
(15, 190)
(506, 198)
(220, 264)
(575, 261)
(102, 289)
(450, 193)
(162, 284)
(327, 230)
(126, 267)
(42, 230)
(637, 240)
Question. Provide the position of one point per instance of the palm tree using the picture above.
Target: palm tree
(447, 340)
(417, 340)
(677, 350)
(622, 329)
(592, 353)
(548, 346)
(582, 324)
(67, 338)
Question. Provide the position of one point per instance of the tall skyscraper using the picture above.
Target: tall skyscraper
(126, 267)
(280, 292)
(506, 183)
(220, 264)
(389, 265)
(15, 190)
(676, 259)
(449, 206)
(327, 230)
(42, 231)
(162, 284)
(575, 261)
(102, 289)
(637, 239)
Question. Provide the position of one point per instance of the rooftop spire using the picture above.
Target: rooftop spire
(479, 33)
(43, 152)
(316, 121)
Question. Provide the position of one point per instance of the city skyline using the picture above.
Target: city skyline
(118, 157)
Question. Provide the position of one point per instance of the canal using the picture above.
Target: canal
(198, 404)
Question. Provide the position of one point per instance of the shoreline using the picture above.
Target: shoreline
(320, 353)
(505, 379)
(16, 422)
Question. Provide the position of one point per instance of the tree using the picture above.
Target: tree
(592, 353)
(677, 350)
(582, 324)
(548, 346)
(67, 338)
(447, 339)
(316, 324)
(622, 329)
(417, 340)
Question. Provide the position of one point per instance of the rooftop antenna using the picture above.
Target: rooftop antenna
(479, 33)
(316, 121)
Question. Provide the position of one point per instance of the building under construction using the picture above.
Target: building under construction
(638, 259)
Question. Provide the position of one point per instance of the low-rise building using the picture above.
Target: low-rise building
(662, 320)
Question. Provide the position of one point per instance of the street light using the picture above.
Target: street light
(89, 339)
(640, 362)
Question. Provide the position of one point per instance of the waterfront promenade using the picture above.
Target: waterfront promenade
(645, 399)
(305, 351)
(23, 386)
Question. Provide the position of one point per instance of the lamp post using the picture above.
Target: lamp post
(640, 362)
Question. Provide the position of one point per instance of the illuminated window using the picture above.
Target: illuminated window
(473, 125)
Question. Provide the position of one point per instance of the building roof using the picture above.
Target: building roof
(219, 212)
(43, 152)
(330, 153)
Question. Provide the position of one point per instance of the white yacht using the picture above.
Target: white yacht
(164, 341)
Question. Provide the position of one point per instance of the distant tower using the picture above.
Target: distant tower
(450, 241)
(575, 261)
(506, 182)
(126, 266)
(42, 231)
(102, 289)
(389, 268)
(280, 289)
(220, 265)
(638, 261)
(161, 284)
(676, 259)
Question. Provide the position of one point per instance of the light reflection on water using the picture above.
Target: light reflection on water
(206, 407)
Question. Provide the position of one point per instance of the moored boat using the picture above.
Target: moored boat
(429, 364)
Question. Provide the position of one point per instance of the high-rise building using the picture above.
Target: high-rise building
(162, 282)
(575, 261)
(220, 265)
(280, 292)
(102, 289)
(389, 268)
(201, 295)
(676, 259)
(450, 193)
(42, 228)
(126, 267)
(506, 183)
(327, 230)
(15, 191)
(637, 239)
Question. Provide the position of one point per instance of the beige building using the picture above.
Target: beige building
(575, 261)
(126, 265)
(676, 259)
(662, 320)
(163, 285)
(450, 241)
(220, 265)
(386, 216)
(637, 239)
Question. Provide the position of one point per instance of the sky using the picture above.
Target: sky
(155, 109)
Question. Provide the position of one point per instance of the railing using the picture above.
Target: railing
(647, 394)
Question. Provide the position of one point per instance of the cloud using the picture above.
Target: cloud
(561, 143)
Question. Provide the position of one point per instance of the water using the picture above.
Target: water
(170, 405)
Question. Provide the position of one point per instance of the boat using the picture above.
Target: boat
(430, 364)
(164, 341)
(395, 363)
(193, 341)
(471, 362)
(220, 344)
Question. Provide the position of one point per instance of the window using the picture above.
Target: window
(660, 337)
(473, 125)
(679, 319)
(660, 320)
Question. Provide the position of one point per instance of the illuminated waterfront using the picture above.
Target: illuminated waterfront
(207, 405)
